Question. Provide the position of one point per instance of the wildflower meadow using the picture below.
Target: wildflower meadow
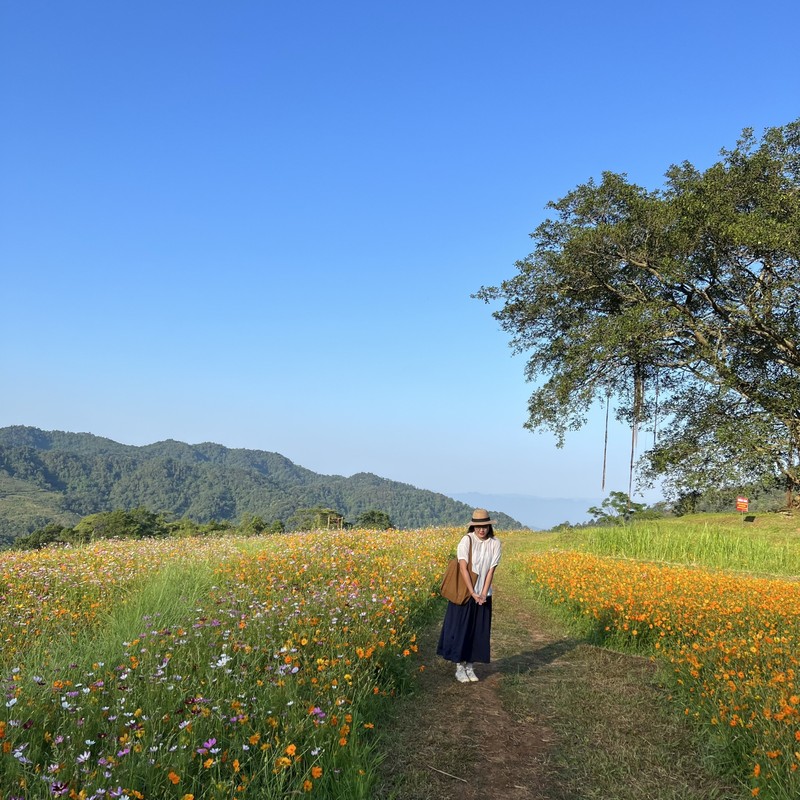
(200, 668)
(727, 641)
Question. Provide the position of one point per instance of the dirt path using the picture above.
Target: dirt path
(614, 734)
(466, 745)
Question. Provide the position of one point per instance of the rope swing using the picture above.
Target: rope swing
(638, 404)
(605, 444)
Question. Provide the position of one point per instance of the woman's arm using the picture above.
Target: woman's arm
(487, 584)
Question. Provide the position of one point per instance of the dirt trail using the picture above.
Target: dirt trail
(614, 735)
(465, 744)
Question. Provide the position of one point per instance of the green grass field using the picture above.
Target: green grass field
(765, 543)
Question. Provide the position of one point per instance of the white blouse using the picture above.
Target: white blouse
(485, 555)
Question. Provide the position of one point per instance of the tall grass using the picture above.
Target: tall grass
(165, 599)
(700, 544)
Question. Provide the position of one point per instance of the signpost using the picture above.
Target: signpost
(742, 505)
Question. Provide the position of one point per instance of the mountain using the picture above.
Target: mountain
(54, 476)
(536, 513)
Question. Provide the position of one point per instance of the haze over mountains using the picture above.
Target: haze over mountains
(55, 476)
(537, 513)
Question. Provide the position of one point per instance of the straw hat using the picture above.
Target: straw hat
(480, 516)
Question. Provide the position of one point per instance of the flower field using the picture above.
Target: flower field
(201, 668)
(731, 642)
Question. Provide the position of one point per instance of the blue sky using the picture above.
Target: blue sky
(259, 224)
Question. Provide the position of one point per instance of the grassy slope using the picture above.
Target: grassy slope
(764, 543)
(22, 502)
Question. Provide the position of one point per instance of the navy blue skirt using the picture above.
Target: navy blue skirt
(466, 631)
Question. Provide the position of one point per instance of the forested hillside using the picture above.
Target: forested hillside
(53, 476)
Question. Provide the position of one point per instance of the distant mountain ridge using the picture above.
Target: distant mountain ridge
(536, 513)
(56, 476)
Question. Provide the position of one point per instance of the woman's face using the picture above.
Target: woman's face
(481, 531)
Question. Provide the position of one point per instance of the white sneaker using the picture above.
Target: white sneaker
(471, 673)
(461, 674)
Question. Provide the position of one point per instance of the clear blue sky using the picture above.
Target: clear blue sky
(260, 223)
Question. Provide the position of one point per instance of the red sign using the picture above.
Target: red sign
(741, 504)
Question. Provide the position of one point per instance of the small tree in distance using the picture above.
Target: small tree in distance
(618, 509)
(374, 519)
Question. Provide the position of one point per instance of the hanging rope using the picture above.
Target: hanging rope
(790, 473)
(638, 402)
(630, 472)
(655, 413)
(605, 444)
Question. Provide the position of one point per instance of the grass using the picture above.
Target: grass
(617, 737)
(616, 728)
(726, 640)
(768, 545)
(165, 600)
(24, 506)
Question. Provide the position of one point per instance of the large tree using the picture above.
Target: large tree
(681, 305)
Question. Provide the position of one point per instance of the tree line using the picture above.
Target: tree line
(141, 523)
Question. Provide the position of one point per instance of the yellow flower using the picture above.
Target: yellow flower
(307, 786)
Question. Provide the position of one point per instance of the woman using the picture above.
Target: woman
(466, 630)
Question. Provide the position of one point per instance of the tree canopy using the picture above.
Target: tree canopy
(374, 518)
(680, 304)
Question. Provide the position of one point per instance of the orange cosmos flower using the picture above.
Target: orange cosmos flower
(174, 779)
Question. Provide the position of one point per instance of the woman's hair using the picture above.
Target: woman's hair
(489, 535)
